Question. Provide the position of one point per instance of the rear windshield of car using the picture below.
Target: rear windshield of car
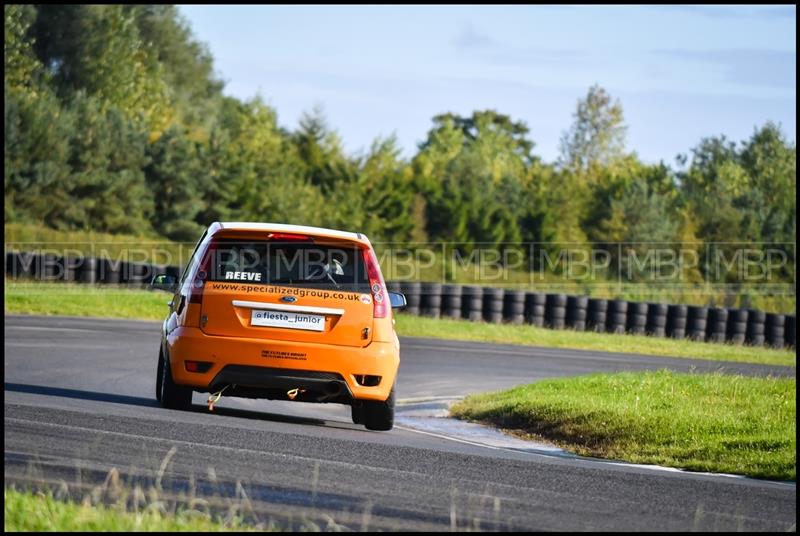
(300, 264)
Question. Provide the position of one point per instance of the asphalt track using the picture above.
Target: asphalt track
(79, 406)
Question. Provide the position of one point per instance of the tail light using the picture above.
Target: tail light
(199, 281)
(201, 275)
(380, 295)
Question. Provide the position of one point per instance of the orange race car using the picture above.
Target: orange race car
(281, 312)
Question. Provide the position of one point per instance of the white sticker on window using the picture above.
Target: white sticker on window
(243, 276)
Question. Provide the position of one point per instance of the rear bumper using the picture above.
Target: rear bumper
(262, 382)
(265, 368)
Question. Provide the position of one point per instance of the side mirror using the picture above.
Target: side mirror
(164, 282)
(397, 300)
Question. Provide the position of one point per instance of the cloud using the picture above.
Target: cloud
(754, 67)
(482, 47)
(470, 38)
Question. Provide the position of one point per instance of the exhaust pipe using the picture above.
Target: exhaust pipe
(331, 390)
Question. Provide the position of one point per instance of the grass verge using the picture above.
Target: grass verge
(118, 302)
(701, 422)
(40, 511)
(85, 300)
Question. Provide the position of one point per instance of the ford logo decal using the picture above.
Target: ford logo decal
(289, 299)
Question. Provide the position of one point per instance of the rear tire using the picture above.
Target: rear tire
(357, 413)
(173, 396)
(379, 415)
(159, 375)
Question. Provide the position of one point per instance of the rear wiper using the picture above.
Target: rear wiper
(333, 280)
(327, 271)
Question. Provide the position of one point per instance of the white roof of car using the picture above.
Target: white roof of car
(286, 228)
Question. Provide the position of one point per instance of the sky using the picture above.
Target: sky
(681, 73)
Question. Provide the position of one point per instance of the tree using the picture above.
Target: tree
(23, 71)
(173, 173)
(443, 144)
(37, 149)
(97, 48)
(386, 188)
(711, 186)
(610, 215)
(771, 163)
(216, 191)
(744, 195)
(67, 177)
(591, 151)
(472, 206)
(471, 171)
(597, 135)
(264, 169)
(106, 190)
(486, 123)
(320, 151)
(187, 67)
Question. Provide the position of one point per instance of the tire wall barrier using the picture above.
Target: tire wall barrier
(596, 315)
(87, 271)
(555, 313)
(451, 301)
(535, 303)
(514, 306)
(391, 286)
(696, 322)
(70, 266)
(109, 271)
(676, 321)
(637, 318)
(755, 327)
(577, 311)
(657, 319)
(617, 316)
(471, 302)
(717, 326)
(791, 331)
(774, 330)
(50, 267)
(19, 264)
(138, 274)
(431, 299)
(493, 304)
(47, 267)
(126, 271)
(411, 289)
(736, 330)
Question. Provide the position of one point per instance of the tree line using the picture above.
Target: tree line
(115, 121)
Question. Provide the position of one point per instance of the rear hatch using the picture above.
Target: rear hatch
(287, 287)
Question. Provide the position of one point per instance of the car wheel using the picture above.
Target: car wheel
(173, 396)
(357, 413)
(379, 415)
(159, 374)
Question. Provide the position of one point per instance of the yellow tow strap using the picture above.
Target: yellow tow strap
(214, 398)
(292, 394)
